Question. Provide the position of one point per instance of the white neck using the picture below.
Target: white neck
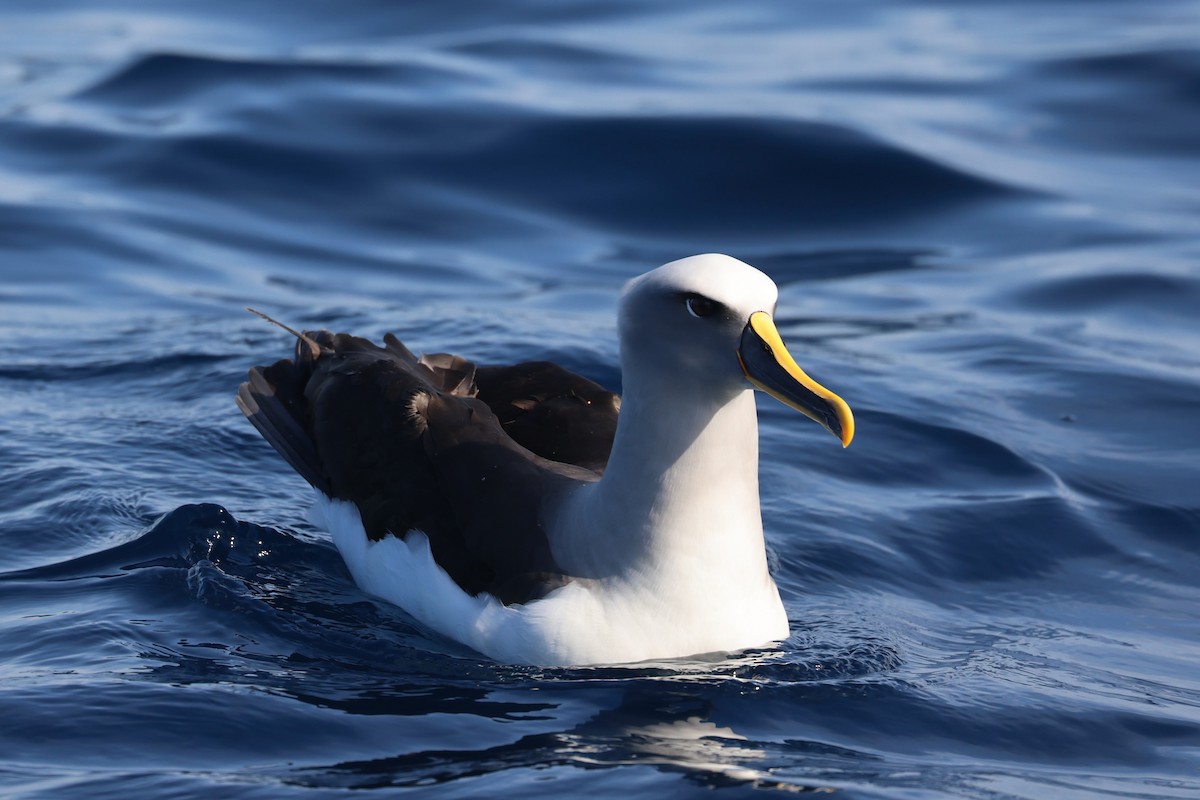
(679, 496)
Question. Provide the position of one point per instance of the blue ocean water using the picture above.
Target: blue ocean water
(985, 221)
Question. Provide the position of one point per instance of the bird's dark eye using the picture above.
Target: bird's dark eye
(700, 306)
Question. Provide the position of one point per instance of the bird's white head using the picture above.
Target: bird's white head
(702, 326)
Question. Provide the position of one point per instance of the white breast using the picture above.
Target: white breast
(612, 620)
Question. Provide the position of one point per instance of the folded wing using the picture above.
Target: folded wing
(466, 454)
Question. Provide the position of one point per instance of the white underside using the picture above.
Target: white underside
(585, 622)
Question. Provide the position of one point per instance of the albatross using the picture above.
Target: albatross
(537, 518)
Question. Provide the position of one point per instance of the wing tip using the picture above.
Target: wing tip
(258, 400)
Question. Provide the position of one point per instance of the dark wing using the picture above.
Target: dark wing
(553, 412)
(405, 440)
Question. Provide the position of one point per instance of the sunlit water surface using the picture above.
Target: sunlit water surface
(985, 222)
